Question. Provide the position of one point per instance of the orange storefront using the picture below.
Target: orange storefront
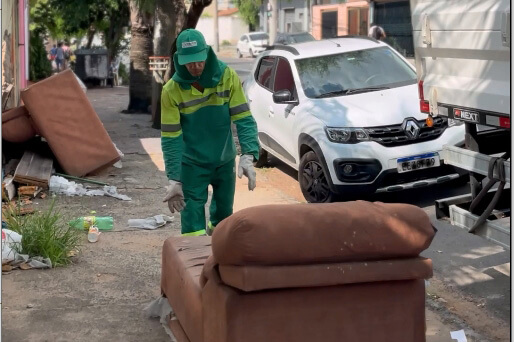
(350, 18)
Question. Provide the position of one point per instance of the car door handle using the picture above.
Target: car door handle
(271, 112)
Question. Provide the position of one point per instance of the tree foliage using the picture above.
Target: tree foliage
(249, 10)
(40, 66)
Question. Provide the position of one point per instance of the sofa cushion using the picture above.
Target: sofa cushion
(66, 119)
(255, 277)
(17, 126)
(182, 262)
(321, 233)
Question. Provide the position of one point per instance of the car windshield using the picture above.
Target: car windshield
(353, 72)
(301, 38)
(258, 36)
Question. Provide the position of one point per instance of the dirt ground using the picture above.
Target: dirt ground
(102, 295)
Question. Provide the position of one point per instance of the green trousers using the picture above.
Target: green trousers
(195, 183)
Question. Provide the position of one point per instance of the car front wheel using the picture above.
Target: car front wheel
(313, 180)
(251, 53)
(239, 54)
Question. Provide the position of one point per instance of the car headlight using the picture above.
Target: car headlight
(452, 122)
(346, 135)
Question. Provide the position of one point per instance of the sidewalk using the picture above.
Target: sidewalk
(101, 296)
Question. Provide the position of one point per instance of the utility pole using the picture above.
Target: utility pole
(273, 21)
(216, 34)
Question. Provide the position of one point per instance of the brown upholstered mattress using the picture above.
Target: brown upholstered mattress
(65, 118)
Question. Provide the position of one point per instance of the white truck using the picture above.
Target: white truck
(462, 50)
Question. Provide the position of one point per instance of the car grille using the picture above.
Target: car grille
(394, 135)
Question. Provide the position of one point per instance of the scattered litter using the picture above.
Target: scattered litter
(459, 336)
(85, 180)
(150, 222)
(93, 234)
(160, 308)
(118, 164)
(9, 241)
(8, 188)
(61, 185)
(92, 212)
(30, 306)
(439, 251)
(100, 222)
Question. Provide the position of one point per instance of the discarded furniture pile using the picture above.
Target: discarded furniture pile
(307, 272)
(57, 113)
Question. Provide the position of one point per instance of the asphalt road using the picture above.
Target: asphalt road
(470, 273)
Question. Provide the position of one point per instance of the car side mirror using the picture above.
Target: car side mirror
(284, 96)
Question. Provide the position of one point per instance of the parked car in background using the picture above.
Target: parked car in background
(252, 44)
(345, 113)
(293, 38)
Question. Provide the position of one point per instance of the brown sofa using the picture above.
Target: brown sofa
(307, 272)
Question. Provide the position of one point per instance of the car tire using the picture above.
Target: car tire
(239, 54)
(313, 180)
(263, 159)
(251, 53)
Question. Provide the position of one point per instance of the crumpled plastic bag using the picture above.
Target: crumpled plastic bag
(9, 240)
(160, 308)
(61, 185)
(150, 222)
(32, 262)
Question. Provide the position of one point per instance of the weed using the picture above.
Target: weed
(44, 233)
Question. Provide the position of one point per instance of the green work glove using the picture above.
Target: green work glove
(246, 168)
(175, 196)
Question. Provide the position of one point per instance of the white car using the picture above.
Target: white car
(252, 44)
(346, 114)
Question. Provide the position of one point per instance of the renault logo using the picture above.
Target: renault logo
(411, 128)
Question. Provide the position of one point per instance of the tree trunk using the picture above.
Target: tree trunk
(183, 22)
(90, 36)
(169, 18)
(140, 87)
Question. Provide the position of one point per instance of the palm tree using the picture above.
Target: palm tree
(171, 18)
(141, 47)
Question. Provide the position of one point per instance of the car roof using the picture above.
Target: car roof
(259, 32)
(329, 46)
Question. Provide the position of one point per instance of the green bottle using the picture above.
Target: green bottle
(101, 222)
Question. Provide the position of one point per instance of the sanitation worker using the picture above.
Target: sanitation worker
(198, 106)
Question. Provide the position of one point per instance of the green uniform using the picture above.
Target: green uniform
(197, 142)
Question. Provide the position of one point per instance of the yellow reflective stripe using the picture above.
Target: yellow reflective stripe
(171, 134)
(240, 116)
(170, 127)
(197, 233)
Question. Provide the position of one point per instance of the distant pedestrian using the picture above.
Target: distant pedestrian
(53, 51)
(376, 32)
(59, 57)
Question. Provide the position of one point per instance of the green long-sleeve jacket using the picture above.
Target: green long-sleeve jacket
(196, 126)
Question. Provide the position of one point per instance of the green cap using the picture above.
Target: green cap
(191, 47)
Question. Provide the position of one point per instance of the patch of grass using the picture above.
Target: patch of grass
(46, 234)
(225, 43)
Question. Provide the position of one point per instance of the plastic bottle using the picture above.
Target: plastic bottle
(93, 234)
(101, 222)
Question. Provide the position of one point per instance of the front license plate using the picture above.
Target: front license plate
(423, 161)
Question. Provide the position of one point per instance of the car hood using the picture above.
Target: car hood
(376, 108)
(262, 42)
